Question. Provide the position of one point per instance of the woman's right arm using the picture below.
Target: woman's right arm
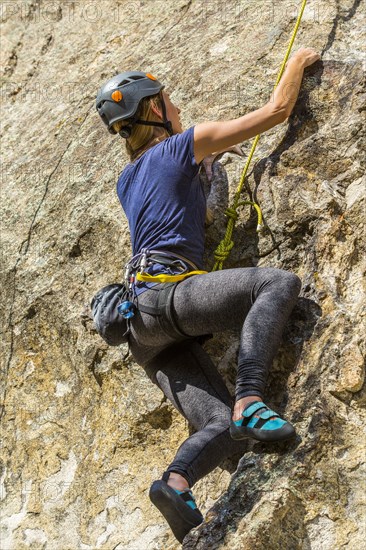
(214, 136)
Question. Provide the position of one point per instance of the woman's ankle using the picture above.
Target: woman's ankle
(176, 481)
(242, 403)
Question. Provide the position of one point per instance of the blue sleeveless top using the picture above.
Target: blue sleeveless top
(163, 199)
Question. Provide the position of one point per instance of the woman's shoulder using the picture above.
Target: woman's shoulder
(177, 148)
(180, 148)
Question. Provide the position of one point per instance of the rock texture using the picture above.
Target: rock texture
(84, 433)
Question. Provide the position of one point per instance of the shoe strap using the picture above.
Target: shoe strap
(256, 406)
(267, 414)
(187, 496)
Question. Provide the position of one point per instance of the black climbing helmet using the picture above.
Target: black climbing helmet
(120, 97)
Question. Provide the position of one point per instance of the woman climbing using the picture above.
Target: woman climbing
(162, 196)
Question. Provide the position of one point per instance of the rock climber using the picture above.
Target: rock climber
(162, 196)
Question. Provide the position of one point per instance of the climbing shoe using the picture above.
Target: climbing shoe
(178, 507)
(261, 423)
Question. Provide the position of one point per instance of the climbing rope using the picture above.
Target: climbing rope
(224, 248)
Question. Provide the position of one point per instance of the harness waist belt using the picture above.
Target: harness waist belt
(164, 278)
(136, 267)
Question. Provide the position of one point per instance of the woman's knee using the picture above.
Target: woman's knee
(284, 281)
(293, 282)
(208, 415)
(220, 416)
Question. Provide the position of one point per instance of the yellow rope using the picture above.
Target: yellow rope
(223, 250)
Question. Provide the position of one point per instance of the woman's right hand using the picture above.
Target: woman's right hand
(217, 136)
(307, 56)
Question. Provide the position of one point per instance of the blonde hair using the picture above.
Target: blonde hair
(143, 137)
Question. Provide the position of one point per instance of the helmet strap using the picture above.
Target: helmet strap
(166, 124)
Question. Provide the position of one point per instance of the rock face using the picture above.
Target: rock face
(84, 433)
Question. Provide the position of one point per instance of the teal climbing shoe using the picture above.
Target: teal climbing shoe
(178, 507)
(261, 423)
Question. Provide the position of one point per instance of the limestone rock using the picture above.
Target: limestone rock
(84, 433)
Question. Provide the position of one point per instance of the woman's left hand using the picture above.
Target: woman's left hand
(208, 161)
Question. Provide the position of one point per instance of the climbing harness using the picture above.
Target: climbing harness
(136, 271)
(115, 305)
(162, 278)
(225, 246)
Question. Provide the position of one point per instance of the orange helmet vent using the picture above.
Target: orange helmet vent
(117, 96)
(149, 75)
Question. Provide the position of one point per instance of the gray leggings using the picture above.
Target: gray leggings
(255, 301)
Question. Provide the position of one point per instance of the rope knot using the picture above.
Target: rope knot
(223, 250)
(231, 213)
